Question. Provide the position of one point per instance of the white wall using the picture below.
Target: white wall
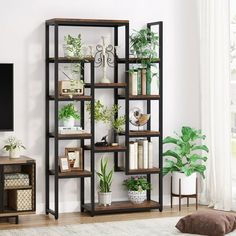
(22, 41)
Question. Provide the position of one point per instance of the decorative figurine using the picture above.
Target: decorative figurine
(103, 142)
(104, 56)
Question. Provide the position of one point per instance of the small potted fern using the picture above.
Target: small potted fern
(185, 159)
(69, 114)
(105, 181)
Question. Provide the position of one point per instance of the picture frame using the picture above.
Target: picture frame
(75, 158)
(64, 164)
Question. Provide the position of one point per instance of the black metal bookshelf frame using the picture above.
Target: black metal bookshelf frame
(92, 207)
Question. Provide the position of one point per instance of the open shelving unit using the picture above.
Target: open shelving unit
(23, 165)
(92, 207)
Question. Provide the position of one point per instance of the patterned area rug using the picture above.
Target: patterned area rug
(149, 227)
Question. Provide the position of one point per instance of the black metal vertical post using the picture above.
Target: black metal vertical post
(161, 113)
(127, 98)
(116, 92)
(56, 119)
(47, 117)
(149, 138)
(92, 142)
(82, 145)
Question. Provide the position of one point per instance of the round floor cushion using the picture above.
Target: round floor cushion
(212, 223)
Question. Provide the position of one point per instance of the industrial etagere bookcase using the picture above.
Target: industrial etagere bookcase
(92, 207)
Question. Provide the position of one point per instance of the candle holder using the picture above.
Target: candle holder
(104, 57)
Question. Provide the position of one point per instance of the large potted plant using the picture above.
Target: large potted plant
(105, 181)
(69, 114)
(144, 46)
(13, 146)
(185, 159)
(137, 188)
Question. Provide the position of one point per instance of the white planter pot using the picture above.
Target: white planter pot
(104, 198)
(137, 197)
(68, 50)
(69, 123)
(15, 153)
(188, 183)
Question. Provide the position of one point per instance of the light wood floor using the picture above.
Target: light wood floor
(83, 218)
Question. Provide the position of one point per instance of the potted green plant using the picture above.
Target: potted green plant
(144, 46)
(185, 159)
(13, 146)
(69, 114)
(106, 115)
(73, 46)
(105, 181)
(137, 188)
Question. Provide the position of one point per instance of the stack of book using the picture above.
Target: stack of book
(70, 130)
(138, 83)
(140, 154)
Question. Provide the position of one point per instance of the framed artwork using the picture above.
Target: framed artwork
(75, 158)
(64, 164)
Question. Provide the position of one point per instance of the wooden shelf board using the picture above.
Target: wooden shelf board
(71, 136)
(142, 133)
(18, 187)
(107, 149)
(140, 97)
(9, 212)
(4, 160)
(72, 174)
(74, 98)
(123, 206)
(71, 60)
(107, 85)
(153, 170)
(87, 22)
(135, 60)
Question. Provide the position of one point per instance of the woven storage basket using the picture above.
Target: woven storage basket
(16, 179)
(20, 200)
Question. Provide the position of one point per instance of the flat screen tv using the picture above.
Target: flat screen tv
(6, 97)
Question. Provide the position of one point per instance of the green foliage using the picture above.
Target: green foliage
(105, 177)
(106, 115)
(13, 143)
(138, 183)
(73, 45)
(68, 111)
(144, 44)
(184, 157)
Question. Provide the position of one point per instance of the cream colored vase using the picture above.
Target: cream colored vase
(188, 183)
(14, 153)
(69, 123)
(104, 199)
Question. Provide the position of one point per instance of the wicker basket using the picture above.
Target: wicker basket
(20, 200)
(16, 179)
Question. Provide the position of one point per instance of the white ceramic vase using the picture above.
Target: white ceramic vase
(188, 183)
(14, 153)
(69, 123)
(137, 197)
(104, 199)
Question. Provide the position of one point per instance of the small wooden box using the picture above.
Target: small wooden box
(20, 200)
(67, 87)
